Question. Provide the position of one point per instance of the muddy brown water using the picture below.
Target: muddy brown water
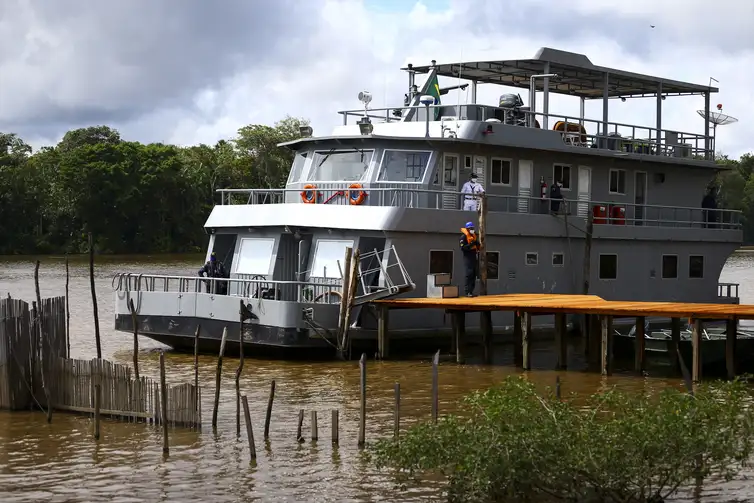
(61, 462)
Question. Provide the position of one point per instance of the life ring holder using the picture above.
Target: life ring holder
(309, 194)
(328, 293)
(360, 195)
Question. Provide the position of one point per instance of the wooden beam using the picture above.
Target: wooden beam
(561, 341)
(518, 341)
(639, 343)
(731, 335)
(607, 345)
(525, 334)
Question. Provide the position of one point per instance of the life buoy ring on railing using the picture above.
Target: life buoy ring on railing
(309, 194)
(360, 195)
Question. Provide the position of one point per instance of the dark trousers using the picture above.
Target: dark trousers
(471, 271)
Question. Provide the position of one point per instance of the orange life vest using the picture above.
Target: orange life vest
(471, 239)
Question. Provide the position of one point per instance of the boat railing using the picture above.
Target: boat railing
(575, 131)
(727, 290)
(314, 292)
(604, 212)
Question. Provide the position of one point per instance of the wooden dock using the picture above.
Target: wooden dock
(598, 312)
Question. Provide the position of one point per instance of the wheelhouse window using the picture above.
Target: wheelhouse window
(329, 256)
(340, 165)
(608, 266)
(669, 266)
(255, 256)
(404, 165)
(493, 265)
(532, 258)
(441, 262)
(297, 169)
(696, 266)
(617, 181)
(562, 173)
(500, 171)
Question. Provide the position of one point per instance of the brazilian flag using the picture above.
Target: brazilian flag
(433, 89)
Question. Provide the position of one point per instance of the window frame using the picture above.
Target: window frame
(662, 266)
(430, 159)
(617, 192)
(319, 240)
(599, 266)
(510, 171)
(526, 259)
(702, 274)
(270, 265)
(497, 263)
(313, 169)
(570, 175)
(562, 256)
(452, 261)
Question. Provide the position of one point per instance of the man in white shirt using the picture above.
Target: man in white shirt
(470, 190)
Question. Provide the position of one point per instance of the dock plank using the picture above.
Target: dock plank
(576, 304)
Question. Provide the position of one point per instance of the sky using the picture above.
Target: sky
(193, 71)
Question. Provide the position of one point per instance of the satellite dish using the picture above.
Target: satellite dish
(717, 118)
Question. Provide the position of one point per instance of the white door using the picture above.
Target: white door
(585, 191)
(525, 174)
(450, 167)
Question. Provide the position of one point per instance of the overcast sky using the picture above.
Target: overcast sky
(189, 71)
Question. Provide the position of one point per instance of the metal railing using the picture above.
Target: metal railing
(327, 291)
(605, 212)
(727, 290)
(616, 136)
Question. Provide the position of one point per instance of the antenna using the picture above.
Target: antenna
(458, 94)
(717, 119)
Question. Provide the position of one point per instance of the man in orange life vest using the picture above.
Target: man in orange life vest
(470, 249)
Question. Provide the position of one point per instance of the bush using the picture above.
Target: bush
(515, 445)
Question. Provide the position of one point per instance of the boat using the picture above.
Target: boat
(387, 182)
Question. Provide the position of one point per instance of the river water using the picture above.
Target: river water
(61, 462)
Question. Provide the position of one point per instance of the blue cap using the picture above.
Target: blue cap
(469, 225)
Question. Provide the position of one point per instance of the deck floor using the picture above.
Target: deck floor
(576, 304)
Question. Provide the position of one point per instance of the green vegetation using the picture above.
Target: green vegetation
(512, 444)
(134, 198)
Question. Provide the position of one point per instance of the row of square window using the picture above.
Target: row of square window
(441, 261)
(500, 174)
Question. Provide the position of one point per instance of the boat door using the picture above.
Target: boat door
(450, 167)
(640, 196)
(584, 191)
(525, 174)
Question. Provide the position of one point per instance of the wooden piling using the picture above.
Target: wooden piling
(315, 428)
(44, 348)
(561, 340)
(164, 405)
(218, 377)
(239, 370)
(696, 359)
(300, 426)
(383, 335)
(731, 335)
(351, 293)
(268, 415)
(525, 335)
(249, 429)
(97, 405)
(94, 297)
(335, 426)
(435, 386)
(135, 324)
(346, 272)
(67, 311)
(362, 399)
(557, 387)
(485, 317)
(397, 413)
(518, 340)
(459, 334)
(196, 365)
(675, 342)
(639, 346)
(607, 345)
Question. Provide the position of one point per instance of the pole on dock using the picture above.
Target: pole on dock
(435, 386)
(249, 429)
(164, 405)
(383, 335)
(485, 316)
(518, 340)
(268, 415)
(675, 342)
(561, 340)
(696, 359)
(362, 399)
(731, 334)
(218, 377)
(353, 286)
(607, 345)
(587, 323)
(94, 296)
(639, 346)
(459, 333)
(135, 324)
(344, 302)
(525, 336)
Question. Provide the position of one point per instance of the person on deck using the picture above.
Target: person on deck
(470, 249)
(470, 190)
(215, 269)
(555, 197)
(709, 205)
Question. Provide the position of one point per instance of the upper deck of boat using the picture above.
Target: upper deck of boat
(575, 304)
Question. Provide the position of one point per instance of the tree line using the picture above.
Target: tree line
(155, 198)
(133, 197)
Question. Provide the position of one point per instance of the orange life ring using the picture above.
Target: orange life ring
(309, 194)
(360, 195)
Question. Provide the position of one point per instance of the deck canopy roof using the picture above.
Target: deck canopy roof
(577, 76)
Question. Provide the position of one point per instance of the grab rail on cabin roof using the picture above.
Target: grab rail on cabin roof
(635, 214)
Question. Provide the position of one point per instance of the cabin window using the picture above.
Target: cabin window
(608, 266)
(669, 266)
(558, 259)
(500, 171)
(329, 258)
(493, 263)
(255, 256)
(297, 169)
(618, 181)
(562, 173)
(467, 160)
(696, 266)
(342, 165)
(532, 258)
(403, 166)
(441, 262)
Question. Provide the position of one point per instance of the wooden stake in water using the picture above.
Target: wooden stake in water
(435, 386)
(196, 363)
(164, 405)
(135, 324)
(397, 414)
(335, 426)
(94, 297)
(299, 435)
(315, 428)
(268, 416)
(67, 311)
(97, 398)
(249, 429)
(218, 377)
(239, 370)
(363, 399)
(44, 355)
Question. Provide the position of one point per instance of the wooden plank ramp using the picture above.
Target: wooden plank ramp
(576, 304)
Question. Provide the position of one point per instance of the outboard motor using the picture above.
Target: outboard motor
(512, 113)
